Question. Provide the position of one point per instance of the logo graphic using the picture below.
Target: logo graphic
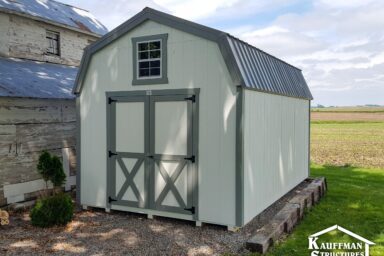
(360, 248)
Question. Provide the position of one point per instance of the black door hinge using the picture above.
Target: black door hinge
(192, 159)
(192, 209)
(110, 153)
(192, 98)
(110, 100)
(110, 199)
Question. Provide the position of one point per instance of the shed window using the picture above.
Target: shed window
(150, 59)
(53, 40)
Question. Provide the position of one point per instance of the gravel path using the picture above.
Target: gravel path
(95, 232)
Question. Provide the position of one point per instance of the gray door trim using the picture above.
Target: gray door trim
(170, 184)
(129, 180)
(189, 91)
(169, 187)
(149, 162)
(240, 157)
(117, 156)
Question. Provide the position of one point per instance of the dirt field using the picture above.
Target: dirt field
(347, 116)
(349, 109)
(348, 138)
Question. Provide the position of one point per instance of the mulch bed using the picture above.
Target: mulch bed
(95, 232)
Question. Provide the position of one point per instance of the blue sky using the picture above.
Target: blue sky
(339, 44)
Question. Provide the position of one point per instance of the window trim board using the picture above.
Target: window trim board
(163, 78)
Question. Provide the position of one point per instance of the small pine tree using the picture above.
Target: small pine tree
(51, 169)
(58, 176)
(44, 167)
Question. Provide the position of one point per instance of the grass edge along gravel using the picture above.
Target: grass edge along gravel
(354, 200)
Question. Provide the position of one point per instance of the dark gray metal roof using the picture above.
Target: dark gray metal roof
(32, 79)
(264, 72)
(56, 12)
(249, 66)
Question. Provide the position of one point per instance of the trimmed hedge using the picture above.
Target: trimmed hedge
(54, 210)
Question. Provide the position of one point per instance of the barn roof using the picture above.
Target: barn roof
(249, 66)
(32, 79)
(56, 12)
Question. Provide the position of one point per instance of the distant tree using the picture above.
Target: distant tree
(320, 106)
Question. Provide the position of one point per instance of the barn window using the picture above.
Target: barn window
(150, 59)
(53, 40)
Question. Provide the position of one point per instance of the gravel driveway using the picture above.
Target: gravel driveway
(95, 232)
(99, 233)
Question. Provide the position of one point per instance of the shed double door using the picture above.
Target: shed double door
(151, 156)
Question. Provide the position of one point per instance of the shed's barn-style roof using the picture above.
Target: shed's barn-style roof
(32, 79)
(249, 66)
(56, 12)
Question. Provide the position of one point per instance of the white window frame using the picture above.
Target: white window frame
(162, 78)
(138, 77)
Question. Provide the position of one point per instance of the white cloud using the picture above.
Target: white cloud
(338, 45)
(195, 9)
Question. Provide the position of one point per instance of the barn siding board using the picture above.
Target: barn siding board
(28, 126)
(275, 148)
(38, 137)
(23, 110)
(204, 69)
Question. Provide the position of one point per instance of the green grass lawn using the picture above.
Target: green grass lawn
(354, 200)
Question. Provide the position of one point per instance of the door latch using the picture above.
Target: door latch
(110, 153)
(192, 98)
(192, 159)
(192, 209)
(110, 199)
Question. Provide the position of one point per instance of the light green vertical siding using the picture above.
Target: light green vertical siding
(275, 148)
(193, 62)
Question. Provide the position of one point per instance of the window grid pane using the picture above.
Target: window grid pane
(149, 59)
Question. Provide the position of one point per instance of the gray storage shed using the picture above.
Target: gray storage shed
(180, 120)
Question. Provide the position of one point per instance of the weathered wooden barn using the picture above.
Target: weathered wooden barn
(41, 43)
(180, 120)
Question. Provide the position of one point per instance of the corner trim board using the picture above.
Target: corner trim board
(309, 138)
(78, 151)
(240, 157)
